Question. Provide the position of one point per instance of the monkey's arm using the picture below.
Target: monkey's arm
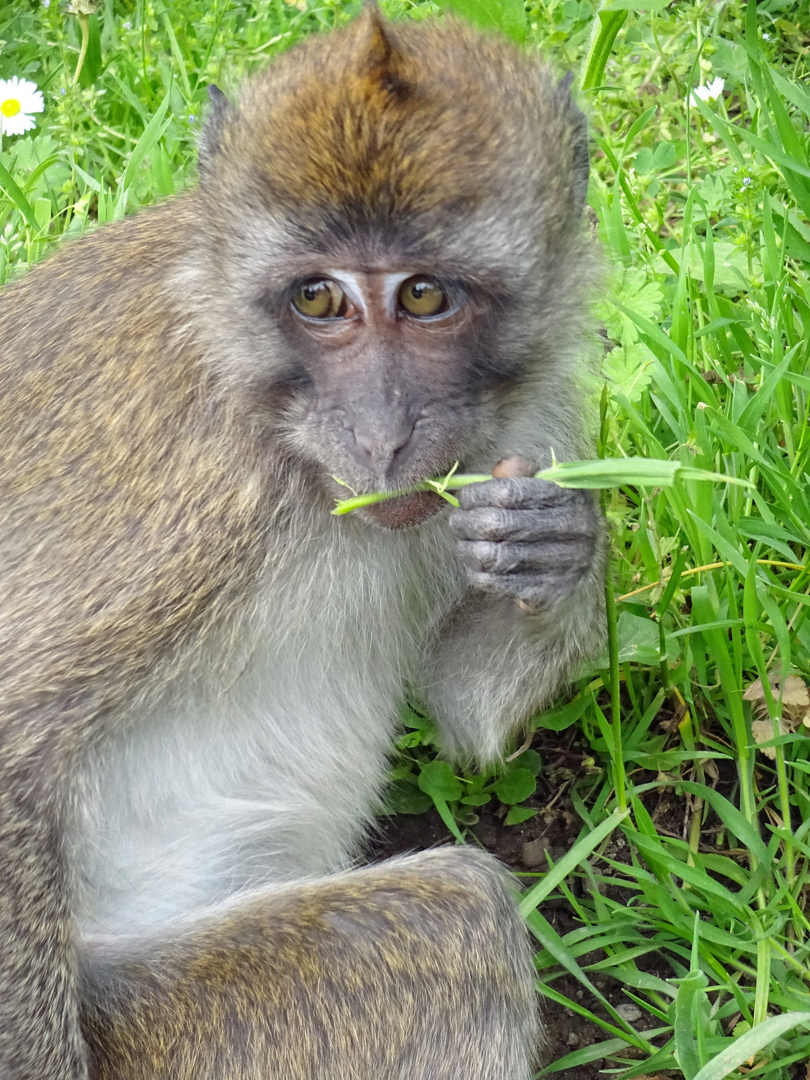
(534, 556)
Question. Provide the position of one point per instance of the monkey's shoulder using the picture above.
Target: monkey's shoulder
(96, 363)
(106, 285)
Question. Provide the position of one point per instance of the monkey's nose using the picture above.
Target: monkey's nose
(381, 444)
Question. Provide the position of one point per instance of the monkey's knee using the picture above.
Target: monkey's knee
(454, 993)
(415, 969)
(472, 1007)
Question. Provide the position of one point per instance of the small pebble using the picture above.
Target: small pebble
(629, 1012)
(533, 854)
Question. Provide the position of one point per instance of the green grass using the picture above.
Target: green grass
(703, 211)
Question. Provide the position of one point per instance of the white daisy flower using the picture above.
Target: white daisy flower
(18, 99)
(711, 91)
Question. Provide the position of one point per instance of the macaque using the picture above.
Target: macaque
(381, 273)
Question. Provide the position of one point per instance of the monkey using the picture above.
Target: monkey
(380, 273)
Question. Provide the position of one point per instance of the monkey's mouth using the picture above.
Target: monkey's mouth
(405, 510)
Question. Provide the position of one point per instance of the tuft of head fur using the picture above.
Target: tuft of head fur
(401, 127)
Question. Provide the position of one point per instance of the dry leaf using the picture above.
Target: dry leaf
(754, 692)
(795, 697)
(762, 730)
(794, 694)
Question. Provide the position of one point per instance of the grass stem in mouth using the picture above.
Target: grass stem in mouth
(601, 473)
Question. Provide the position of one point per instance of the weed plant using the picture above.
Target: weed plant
(701, 201)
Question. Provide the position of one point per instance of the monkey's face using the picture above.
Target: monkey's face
(384, 393)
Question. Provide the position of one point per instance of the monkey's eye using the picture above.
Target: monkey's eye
(423, 297)
(322, 298)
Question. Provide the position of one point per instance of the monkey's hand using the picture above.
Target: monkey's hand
(526, 539)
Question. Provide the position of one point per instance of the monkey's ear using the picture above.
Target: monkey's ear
(222, 114)
(380, 59)
(580, 156)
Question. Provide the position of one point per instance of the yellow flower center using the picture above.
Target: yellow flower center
(10, 107)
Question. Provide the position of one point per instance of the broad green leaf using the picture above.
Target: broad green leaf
(515, 786)
(439, 781)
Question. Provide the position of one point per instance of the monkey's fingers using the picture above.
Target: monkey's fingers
(518, 493)
(538, 594)
(569, 558)
(549, 526)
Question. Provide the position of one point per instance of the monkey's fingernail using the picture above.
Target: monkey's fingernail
(514, 466)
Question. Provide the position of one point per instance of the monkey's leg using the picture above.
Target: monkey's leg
(416, 969)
